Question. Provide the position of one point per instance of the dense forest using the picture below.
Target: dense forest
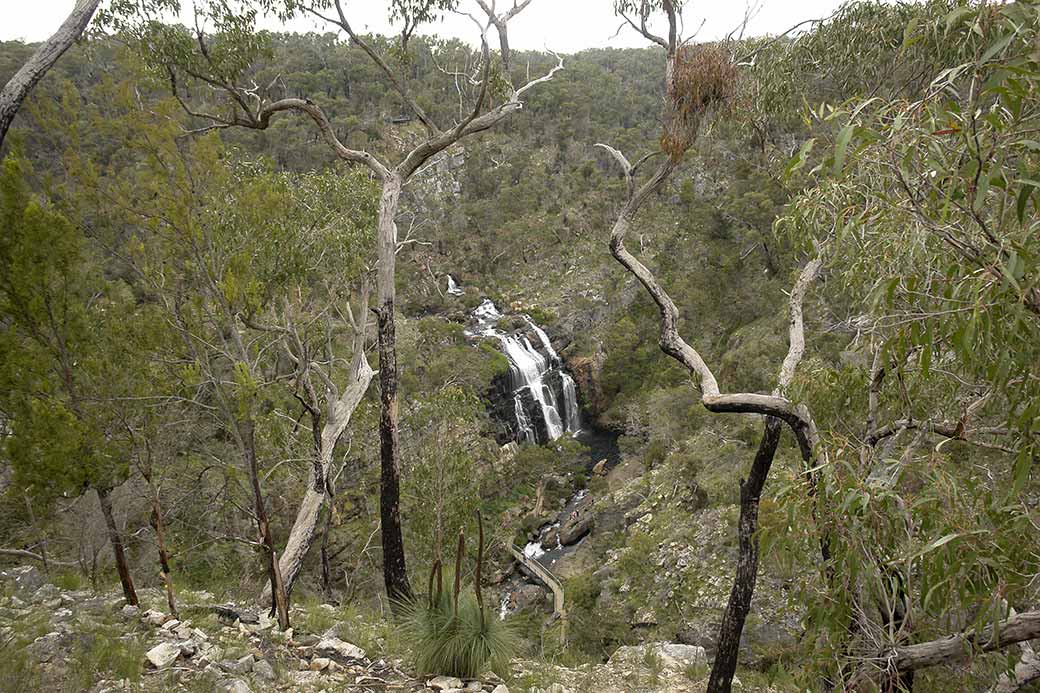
(354, 362)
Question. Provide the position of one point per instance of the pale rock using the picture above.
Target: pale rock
(188, 648)
(171, 624)
(154, 618)
(129, 611)
(445, 683)
(265, 621)
(163, 654)
(262, 669)
(319, 664)
(197, 634)
(501, 688)
(244, 665)
(344, 649)
(234, 686)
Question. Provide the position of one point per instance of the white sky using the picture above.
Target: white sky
(565, 26)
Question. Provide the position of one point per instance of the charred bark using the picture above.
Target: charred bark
(728, 647)
(116, 539)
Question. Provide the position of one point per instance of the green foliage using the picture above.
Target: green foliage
(463, 642)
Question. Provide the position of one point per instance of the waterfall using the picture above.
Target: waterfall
(453, 288)
(544, 395)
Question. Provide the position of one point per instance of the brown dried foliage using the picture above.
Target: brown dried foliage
(703, 78)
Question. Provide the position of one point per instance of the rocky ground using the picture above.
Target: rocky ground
(74, 640)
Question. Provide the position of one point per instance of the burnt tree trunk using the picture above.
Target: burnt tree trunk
(122, 567)
(395, 572)
(728, 647)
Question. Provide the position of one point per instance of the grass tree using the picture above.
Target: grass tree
(222, 61)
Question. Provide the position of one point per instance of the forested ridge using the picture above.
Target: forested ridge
(354, 362)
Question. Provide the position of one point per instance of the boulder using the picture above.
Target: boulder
(163, 654)
(319, 664)
(600, 468)
(674, 657)
(46, 647)
(579, 523)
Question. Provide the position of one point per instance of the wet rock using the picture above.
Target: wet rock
(579, 523)
(532, 596)
(163, 654)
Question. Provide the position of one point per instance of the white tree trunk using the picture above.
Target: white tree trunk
(304, 529)
(15, 91)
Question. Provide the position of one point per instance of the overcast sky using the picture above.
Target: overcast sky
(565, 26)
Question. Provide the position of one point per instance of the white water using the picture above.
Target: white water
(453, 288)
(528, 369)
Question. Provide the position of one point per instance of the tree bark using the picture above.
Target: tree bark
(953, 648)
(19, 86)
(725, 665)
(395, 572)
(305, 527)
(280, 601)
(122, 567)
(164, 556)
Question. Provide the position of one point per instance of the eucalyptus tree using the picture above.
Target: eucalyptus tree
(233, 254)
(700, 80)
(930, 205)
(222, 61)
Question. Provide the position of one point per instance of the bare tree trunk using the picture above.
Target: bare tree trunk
(164, 556)
(280, 601)
(305, 527)
(395, 572)
(1014, 629)
(725, 666)
(122, 567)
(15, 91)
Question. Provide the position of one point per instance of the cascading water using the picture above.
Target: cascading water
(453, 288)
(545, 403)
